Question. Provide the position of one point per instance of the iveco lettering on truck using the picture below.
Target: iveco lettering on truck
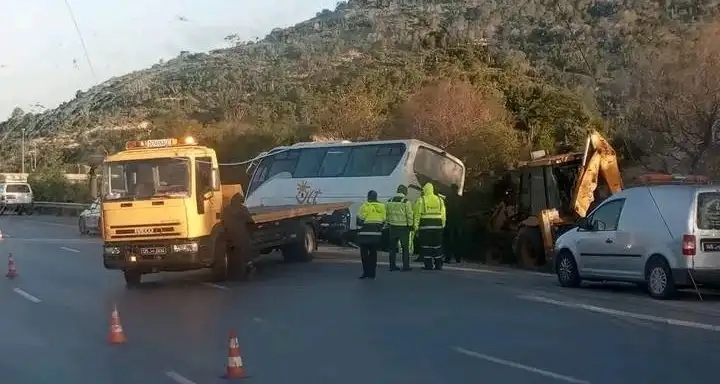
(163, 210)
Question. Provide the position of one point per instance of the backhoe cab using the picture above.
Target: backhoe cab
(550, 193)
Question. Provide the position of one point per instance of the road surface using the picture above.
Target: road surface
(317, 323)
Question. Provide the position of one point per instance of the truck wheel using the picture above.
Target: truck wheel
(301, 251)
(133, 278)
(221, 260)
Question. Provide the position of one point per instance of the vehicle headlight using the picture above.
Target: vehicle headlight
(112, 250)
(188, 247)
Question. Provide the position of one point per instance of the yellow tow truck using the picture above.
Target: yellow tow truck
(164, 207)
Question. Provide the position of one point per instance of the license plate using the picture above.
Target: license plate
(711, 246)
(153, 251)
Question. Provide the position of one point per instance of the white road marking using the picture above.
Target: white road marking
(632, 315)
(217, 286)
(69, 249)
(178, 378)
(26, 295)
(258, 320)
(384, 263)
(527, 368)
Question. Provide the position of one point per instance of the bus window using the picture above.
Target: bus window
(442, 171)
(335, 161)
(387, 158)
(283, 162)
(309, 162)
(362, 161)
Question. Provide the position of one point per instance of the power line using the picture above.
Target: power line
(82, 40)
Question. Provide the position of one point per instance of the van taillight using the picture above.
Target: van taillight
(688, 245)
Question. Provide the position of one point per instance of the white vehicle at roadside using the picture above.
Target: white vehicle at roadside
(16, 197)
(325, 172)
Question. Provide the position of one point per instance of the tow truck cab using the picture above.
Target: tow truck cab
(162, 200)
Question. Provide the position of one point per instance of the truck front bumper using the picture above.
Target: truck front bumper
(158, 255)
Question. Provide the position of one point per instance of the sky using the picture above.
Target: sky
(42, 60)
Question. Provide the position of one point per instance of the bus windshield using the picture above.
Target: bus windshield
(442, 171)
(146, 179)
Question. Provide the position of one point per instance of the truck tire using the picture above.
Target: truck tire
(221, 259)
(301, 251)
(133, 278)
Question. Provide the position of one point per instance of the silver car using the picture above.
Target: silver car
(663, 237)
(90, 219)
(16, 197)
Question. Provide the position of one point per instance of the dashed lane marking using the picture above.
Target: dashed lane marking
(178, 378)
(26, 295)
(70, 249)
(618, 313)
(527, 368)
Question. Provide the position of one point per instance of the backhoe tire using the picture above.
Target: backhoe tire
(301, 251)
(528, 248)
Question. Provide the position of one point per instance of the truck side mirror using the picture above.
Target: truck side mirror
(215, 179)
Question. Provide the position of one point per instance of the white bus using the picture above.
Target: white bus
(323, 172)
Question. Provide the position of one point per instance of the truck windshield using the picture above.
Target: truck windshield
(147, 178)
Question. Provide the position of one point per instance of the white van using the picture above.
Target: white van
(664, 237)
(16, 197)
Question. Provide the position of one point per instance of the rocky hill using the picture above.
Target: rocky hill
(367, 57)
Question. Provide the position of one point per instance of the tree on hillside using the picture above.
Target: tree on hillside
(461, 119)
(674, 99)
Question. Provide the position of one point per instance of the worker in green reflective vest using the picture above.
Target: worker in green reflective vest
(370, 221)
(400, 223)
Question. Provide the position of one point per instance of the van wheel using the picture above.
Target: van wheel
(133, 278)
(301, 251)
(567, 270)
(660, 283)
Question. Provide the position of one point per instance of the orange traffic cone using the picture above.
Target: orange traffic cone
(117, 336)
(235, 368)
(12, 269)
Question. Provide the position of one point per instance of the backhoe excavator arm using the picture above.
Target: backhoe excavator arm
(599, 160)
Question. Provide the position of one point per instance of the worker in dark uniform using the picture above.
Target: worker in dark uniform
(370, 222)
(400, 221)
(429, 221)
(237, 222)
(453, 240)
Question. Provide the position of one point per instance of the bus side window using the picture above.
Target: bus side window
(387, 158)
(335, 161)
(309, 162)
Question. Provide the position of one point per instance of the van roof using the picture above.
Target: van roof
(682, 188)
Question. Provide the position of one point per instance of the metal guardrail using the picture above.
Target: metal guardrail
(58, 208)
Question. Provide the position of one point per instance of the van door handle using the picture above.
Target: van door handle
(608, 241)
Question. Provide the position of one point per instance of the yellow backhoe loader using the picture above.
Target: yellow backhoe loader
(551, 194)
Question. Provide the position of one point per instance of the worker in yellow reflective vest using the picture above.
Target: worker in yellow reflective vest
(400, 223)
(429, 222)
(370, 222)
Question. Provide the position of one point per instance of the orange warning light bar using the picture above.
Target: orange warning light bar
(160, 143)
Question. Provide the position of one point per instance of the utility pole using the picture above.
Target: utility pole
(22, 150)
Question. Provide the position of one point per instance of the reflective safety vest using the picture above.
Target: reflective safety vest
(371, 217)
(399, 211)
(430, 212)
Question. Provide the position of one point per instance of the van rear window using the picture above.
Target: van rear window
(708, 210)
(17, 188)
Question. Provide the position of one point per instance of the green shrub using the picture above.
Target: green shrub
(51, 185)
